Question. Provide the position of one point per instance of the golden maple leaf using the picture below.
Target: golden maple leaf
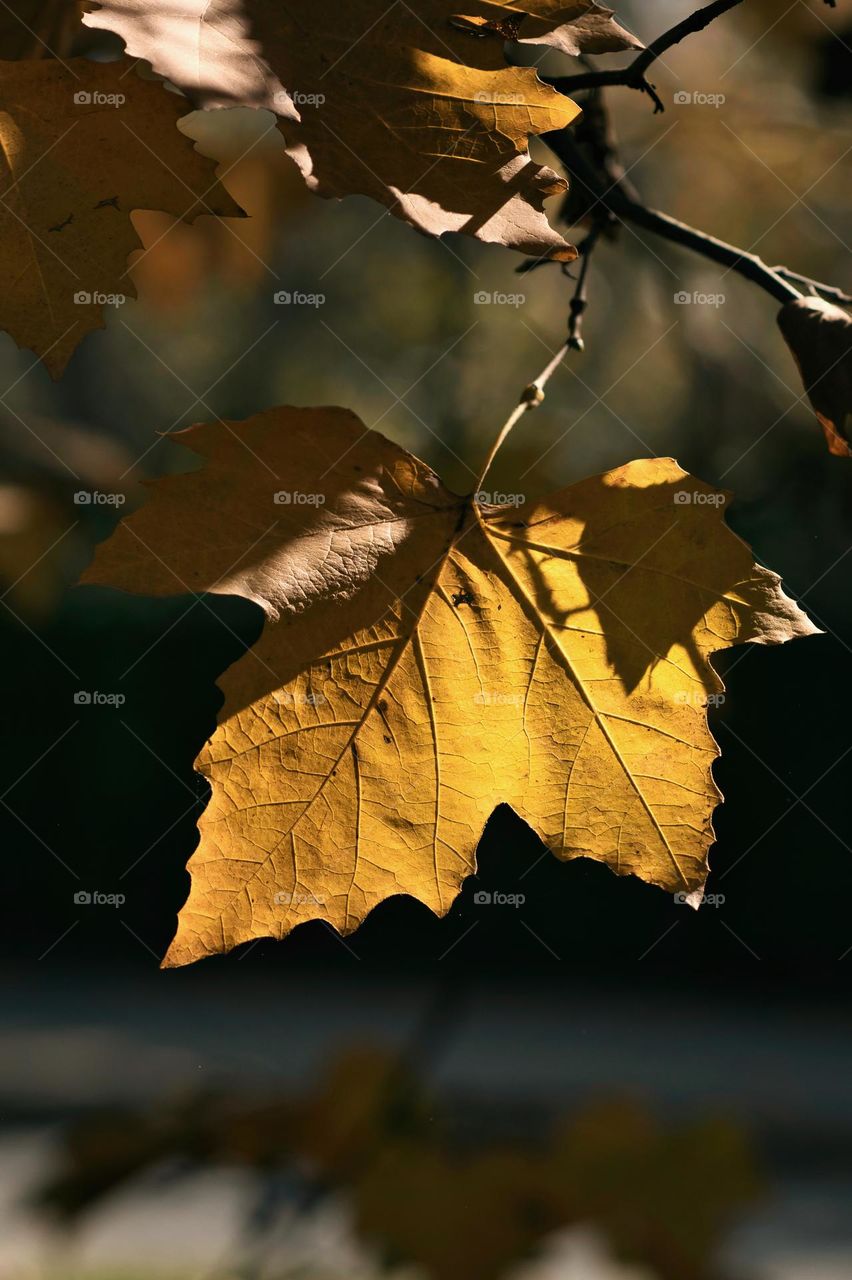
(83, 144)
(413, 106)
(426, 657)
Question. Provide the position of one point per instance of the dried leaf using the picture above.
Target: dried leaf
(425, 658)
(819, 334)
(576, 28)
(404, 104)
(82, 144)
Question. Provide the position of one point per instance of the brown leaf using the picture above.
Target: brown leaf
(403, 104)
(83, 144)
(574, 28)
(178, 260)
(426, 658)
(819, 334)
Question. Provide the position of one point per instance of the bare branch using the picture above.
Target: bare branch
(748, 265)
(609, 193)
(634, 76)
(828, 291)
(579, 301)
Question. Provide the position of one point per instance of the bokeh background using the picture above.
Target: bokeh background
(679, 1081)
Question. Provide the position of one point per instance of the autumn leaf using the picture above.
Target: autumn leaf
(819, 334)
(412, 106)
(575, 28)
(82, 145)
(425, 658)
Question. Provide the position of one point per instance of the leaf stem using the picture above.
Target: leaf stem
(533, 394)
(531, 397)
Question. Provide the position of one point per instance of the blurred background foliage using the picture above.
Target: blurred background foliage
(423, 1187)
(598, 992)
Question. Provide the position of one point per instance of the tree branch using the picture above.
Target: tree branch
(634, 75)
(614, 197)
(745, 264)
(621, 203)
(579, 301)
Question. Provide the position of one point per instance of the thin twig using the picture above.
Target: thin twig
(828, 291)
(533, 394)
(616, 197)
(579, 301)
(531, 397)
(634, 76)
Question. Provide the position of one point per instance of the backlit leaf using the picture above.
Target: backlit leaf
(411, 105)
(425, 658)
(83, 144)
